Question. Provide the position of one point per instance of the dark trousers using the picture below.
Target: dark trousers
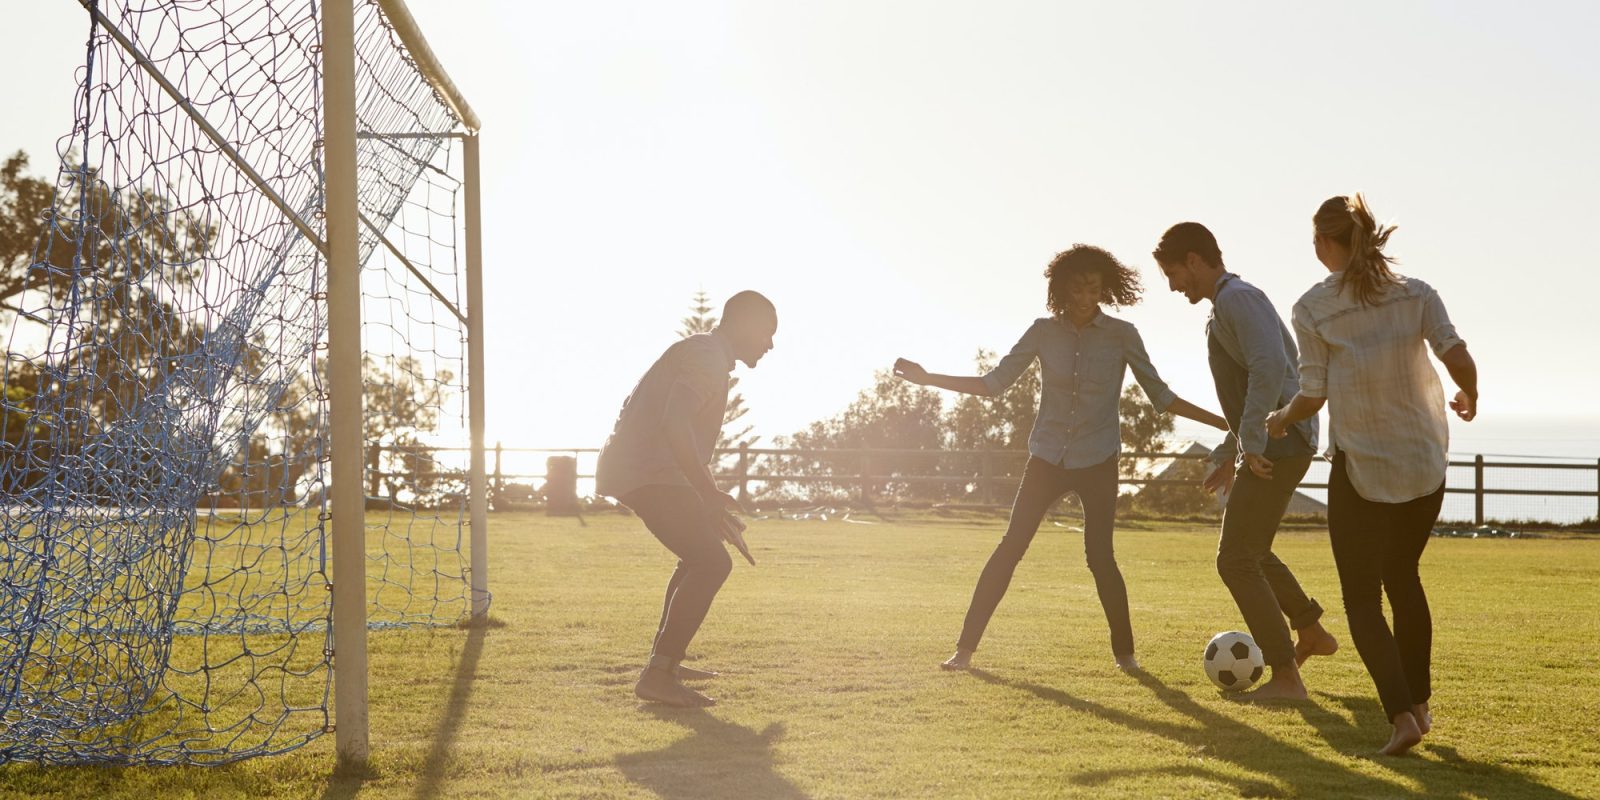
(1042, 484)
(1261, 584)
(1376, 547)
(678, 518)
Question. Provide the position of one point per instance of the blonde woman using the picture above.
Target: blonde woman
(1364, 334)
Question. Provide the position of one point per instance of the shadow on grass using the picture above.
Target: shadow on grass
(718, 759)
(346, 780)
(455, 710)
(1301, 771)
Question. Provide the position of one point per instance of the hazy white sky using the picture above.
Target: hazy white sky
(895, 176)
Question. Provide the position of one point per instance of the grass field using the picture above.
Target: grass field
(829, 650)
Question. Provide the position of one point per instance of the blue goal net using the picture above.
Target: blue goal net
(164, 482)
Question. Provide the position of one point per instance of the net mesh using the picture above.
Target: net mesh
(164, 559)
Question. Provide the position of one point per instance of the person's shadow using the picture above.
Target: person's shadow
(1229, 740)
(720, 759)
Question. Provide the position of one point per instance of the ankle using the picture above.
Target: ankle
(663, 664)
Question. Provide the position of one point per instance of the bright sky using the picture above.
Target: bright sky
(895, 176)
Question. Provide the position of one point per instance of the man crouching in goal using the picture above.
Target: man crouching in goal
(657, 462)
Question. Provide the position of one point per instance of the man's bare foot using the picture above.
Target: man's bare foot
(1314, 641)
(1406, 735)
(1423, 716)
(1128, 663)
(691, 674)
(961, 660)
(1285, 684)
(657, 685)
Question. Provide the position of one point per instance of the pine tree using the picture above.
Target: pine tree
(701, 320)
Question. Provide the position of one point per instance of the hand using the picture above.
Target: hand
(1466, 407)
(717, 502)
(1219, 479)
(1277, 423)
(1259, 465)
(910, 371)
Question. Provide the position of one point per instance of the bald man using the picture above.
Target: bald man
(657, 462)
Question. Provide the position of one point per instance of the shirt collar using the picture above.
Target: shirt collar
(1100, 321)
(723, 345)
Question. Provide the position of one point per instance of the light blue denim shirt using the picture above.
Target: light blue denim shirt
(1078, 422)
(1247, 327)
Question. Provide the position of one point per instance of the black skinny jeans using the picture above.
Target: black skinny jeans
(1264, 587)
(1042, 484)
(679, 519)
(1376, 548)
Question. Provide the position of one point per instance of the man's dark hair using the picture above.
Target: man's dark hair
(1119, 285)
(1184, 238)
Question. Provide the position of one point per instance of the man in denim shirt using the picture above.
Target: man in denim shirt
(1253, 362)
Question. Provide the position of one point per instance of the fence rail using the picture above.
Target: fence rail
(854, 468)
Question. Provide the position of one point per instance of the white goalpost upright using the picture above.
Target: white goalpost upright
(344, 336)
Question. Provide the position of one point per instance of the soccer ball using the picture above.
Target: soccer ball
(1233, 662)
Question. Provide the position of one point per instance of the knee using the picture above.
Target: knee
(1232, 566)
(1363, 606)
(712, 564)
(1011, 548)
(1101, 560)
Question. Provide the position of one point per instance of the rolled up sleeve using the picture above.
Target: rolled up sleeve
(1313, 354)
(1436, 326)
(1133, 352)
(1014, 364)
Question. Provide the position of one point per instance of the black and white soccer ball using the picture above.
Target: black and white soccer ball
(1233, 662)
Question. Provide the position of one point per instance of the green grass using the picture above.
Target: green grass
(830, 648)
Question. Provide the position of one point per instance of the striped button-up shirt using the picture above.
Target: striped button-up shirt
(1081, 374)
(1386, 407)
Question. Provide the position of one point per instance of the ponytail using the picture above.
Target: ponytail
(1350, 222)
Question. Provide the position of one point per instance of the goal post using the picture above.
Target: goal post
(345, 353)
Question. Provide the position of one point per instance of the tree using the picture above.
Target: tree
(1145, 430)
(110, 270)
(993, 424)
(701, 320)
(892, 414)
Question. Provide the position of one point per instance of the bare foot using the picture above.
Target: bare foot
(1285, 684)
(658, 685)
(1406, 735)
(1423, 716)
(961, 660)
(1128, 664)
(1314, 641)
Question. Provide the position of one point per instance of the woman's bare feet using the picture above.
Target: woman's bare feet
(961, 660)
(1423, 716)
(1314, 641)
(1406, 735)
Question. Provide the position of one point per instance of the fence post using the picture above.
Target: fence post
(1597, 490)
(1477, 483)
(499, 477)
(986, 477)
(866, 487)
(743, 473)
